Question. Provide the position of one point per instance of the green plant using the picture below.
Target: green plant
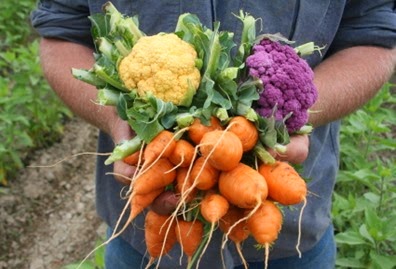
(30, 113)
(14, 22)
(364, 209)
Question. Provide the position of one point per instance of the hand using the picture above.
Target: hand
(166, 202)
(121, 131)
(296, 150)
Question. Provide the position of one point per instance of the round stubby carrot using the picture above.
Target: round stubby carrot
(243, 186)
(203, 175)
(159, 237)
(245, 130)
(189, 235)
(161, 146)
(197, 129)
(183, 153)
(223, 149)
(159, 175)
(213, 207)
(285, 185)
(237, 233)
(265, 225)
(183, 184)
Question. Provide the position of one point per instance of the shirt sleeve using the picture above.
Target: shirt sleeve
(367, 22)
(64, 19)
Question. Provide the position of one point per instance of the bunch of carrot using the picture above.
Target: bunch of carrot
(222, 174)
(204, 165)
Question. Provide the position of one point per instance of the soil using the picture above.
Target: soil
(47, 214)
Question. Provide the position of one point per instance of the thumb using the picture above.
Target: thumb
(123, 172)
(296, 151)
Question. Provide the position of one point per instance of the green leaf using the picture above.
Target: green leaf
(267, 132)
(382, 261)
(365, 233)
(148, 115)
(247, 39)
(372, 219)
(106, 70)
(147, 130)
(122, 106)
(350, 238)
(372, 197)
(350, 263)
(100, 25)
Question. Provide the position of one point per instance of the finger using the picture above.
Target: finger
(296, 151)
(123, 172)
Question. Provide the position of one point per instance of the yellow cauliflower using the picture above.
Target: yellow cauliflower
(163, 65)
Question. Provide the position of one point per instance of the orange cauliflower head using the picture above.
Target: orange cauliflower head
(163, 65)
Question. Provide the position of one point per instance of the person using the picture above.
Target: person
(358, 57)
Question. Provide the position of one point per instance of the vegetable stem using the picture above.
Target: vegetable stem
(107, 97)
(88, 76)
(124, 149)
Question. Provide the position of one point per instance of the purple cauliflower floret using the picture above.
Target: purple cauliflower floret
(288, 83)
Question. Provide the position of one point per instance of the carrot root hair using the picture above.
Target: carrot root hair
(300, 227)
(266, 255)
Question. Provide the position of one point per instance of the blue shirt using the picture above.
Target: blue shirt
(333, 24)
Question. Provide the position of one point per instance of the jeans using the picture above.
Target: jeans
(120, 255)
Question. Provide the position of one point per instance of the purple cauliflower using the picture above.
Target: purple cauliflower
(288, 89)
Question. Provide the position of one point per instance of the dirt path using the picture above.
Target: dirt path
(47, 217)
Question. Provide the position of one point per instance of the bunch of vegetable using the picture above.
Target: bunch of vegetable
(204, 120)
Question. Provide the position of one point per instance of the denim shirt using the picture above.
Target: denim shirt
(332, 24)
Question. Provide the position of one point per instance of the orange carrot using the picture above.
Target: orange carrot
(203, 175)
(161, 146)
(183, 184)
(159, 239)
(213, 207)
(159, 175)
(132, 159)
(140, 202)
(245, 130)
(189, 235)
(285, 185)
(223, 149)
(243, 186)
(239, 232)
(265, 225)
(183, 153)
(197, 129)
(145, 188)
